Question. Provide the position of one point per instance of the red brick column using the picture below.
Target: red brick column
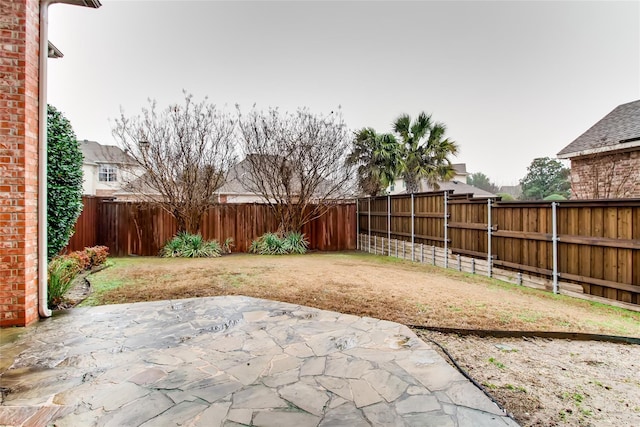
(19, 73)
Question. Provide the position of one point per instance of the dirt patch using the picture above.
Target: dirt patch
(544, 382)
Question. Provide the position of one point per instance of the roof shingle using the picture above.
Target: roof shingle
(622, 125)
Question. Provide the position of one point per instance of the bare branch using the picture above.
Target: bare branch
(296, 162)
(182, 155)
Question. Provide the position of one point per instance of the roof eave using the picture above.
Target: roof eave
(599, 150)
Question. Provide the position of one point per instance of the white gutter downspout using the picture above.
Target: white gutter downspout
(43, 308)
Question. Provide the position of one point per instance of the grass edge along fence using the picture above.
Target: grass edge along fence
(585, 249)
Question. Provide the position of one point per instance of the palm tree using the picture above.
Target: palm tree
(424, 151)
(377, 157)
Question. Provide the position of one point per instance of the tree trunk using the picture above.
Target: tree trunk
(413, 185)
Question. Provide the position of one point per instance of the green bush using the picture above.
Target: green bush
(185, 245)
(227, 245)
(64, 181)
(554, 197)
(272, 244)
(506, 197)
(296, 243)
(62, 270)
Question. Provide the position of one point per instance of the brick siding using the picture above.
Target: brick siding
(19, 75)
(606, 176)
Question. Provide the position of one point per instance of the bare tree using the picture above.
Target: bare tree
(296, 163)
(182, 155)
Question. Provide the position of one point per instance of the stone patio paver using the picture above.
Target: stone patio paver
(230, 361)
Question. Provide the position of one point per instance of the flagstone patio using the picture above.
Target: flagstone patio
(230, 361)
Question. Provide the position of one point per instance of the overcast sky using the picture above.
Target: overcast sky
(511, 80)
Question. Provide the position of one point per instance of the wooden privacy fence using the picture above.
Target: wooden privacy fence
(130, 228)
(589, 249)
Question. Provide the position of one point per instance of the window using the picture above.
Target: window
(108, 173)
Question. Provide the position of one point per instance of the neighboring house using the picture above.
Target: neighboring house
(457, 184)
(605, 160)
(514, 191)
(106, 168)
(235, 189)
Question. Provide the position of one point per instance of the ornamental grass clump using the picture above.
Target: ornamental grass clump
(62, 270)
(272, 244)
(185, 245)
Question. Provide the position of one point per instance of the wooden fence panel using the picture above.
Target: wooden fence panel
(598, 241)
(130, 228)
(85, 233)
(468, 227)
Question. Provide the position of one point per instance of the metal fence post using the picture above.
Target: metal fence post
(554, 239)
(433, 254)
(389, 221)
(489, 229)
(422, 253)
(358, 224)
(369, 225)
(413, 220)
(446, 232)
(473, 266)
(375, 245)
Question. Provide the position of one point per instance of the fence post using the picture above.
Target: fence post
(404, 251)
(358, 224)
(433, 254)
(369, 225)
(375, 245)
(396, 248)
(446, 232)
(413, 220)
(489, 229)
(554, 240)
(422, 253)
(459, 263)
(389, 221)
(473, 266)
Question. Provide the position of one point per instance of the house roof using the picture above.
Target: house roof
(96, 153)
(514, 190)
(53, 52)
(234, 183)
(460, 168)
(618, 130)
(457, 187)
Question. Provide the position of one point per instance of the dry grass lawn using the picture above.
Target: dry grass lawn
(361, 284)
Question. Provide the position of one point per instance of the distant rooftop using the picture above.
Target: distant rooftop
(457, 187)
(96, 153)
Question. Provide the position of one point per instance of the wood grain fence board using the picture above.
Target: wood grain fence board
(599, 241)
(129, 228)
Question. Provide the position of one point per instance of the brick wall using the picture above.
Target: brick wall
(19, 34)
(606, 176)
